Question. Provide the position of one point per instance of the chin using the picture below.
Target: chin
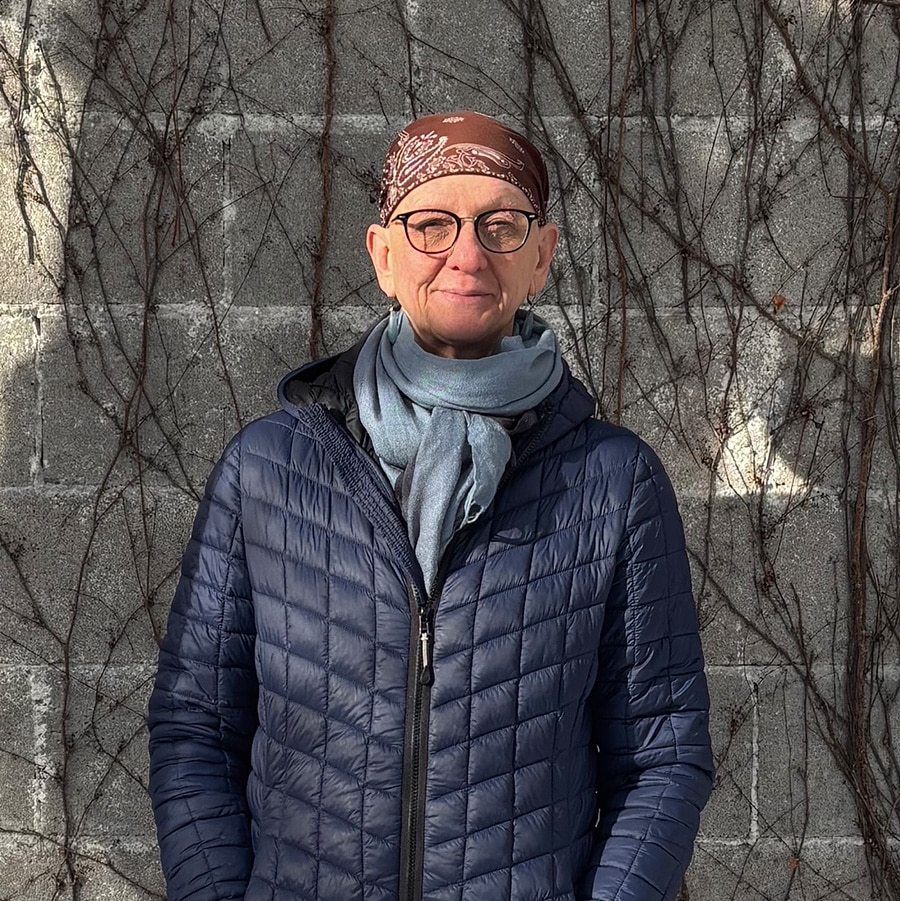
(465, 344)
(473, 330)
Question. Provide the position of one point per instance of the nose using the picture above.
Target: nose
(467, 252)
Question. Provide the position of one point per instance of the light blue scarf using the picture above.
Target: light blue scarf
(432, 422)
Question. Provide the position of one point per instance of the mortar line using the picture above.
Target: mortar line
(757, 672)
(229, 218)
(838, 841)
(412, 18)
(39, 689)
(707, 126)
(229, 212)
(754, 758)
(37, 455)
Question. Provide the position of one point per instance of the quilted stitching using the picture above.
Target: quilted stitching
(559, 673)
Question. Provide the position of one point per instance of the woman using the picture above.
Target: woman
(434, 636)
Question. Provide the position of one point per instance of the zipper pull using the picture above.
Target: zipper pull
(426, 677)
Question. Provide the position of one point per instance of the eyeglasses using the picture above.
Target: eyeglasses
(436, 231)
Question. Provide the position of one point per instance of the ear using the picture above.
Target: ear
(547, 239)
(378, 243)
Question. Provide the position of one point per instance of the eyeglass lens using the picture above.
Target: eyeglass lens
(500, 231)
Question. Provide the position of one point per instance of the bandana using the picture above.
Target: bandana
(463, 143)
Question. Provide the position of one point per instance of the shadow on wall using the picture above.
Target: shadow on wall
(157, 275)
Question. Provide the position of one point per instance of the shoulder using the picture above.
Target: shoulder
(608, 445)
(603, 444)
(608, 452)
(273, 434)
(627, 462)
(604, 461)
(270, 443)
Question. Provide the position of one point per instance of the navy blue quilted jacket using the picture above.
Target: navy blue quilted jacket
(534, 728)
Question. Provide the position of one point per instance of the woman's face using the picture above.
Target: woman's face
(461, 302)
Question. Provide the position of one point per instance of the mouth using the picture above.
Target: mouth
(464, 295)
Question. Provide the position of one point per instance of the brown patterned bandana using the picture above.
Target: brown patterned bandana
(462, 143)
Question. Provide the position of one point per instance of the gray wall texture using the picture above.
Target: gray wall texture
(184, 188)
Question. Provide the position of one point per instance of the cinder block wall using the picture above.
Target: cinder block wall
(184, 189)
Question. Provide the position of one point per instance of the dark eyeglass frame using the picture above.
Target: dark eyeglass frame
(404, 218)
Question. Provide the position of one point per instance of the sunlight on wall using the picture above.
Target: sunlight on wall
(35, 186)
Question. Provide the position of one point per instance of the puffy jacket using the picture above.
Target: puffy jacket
(324, 728)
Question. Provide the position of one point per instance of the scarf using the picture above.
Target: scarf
(434, 422)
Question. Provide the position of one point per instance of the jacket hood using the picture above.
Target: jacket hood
(329, 383)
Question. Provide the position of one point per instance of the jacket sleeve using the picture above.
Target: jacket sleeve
(202, 712)
(650, 707)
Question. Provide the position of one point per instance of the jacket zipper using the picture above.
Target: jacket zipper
(421, 649)
(418, 698)
(416, 746)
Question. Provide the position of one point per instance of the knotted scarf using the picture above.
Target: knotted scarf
(434, 422)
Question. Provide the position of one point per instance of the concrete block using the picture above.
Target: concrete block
(122, 871)
(166, 383)
(576, 210)
(768, 869)
(10, 19)
(106, 753)
(883, 712)
(840, 50)
(277, 58)
(343, 326)
(484, 72)
(707, 43)
(30, 870)
(733, 401)
(259, 346)
(682, 56)
(647, 218)
(150, 59)
(796, 221)
(277, 193)
(784, 416)
(276, 197)
(85, 389)
(147, 215)
(114, 871)
(801, 791)
(263, 344)
(31, 271)
(370, 43)
(30, 576)
(96, 367)
(358, 162)
(189, 410)
(580, 63)
(19, 434)
(18, 773)
(60, 50)
(732, 725)
(762, 595)
(879, 66)
(88, 579)
(128, 576)
(673, 207)
(656, 375)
